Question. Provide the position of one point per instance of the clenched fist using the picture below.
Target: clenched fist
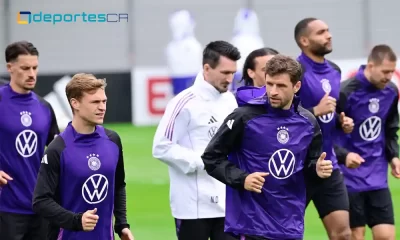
(255, 181)
(353, 160)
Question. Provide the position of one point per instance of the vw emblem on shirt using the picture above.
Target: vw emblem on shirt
(26, 119)
(371, 128)
(94, 161)
(281, 164)
(326, 86)
(26, 143)
(95, 189)
(212, 131)
(373, 106)
(282, 135)
(327, 117)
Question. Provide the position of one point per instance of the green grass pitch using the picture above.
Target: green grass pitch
(148, 190)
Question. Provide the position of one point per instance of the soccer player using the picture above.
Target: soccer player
(319, 94)
(272, 140)
(191, 119)
(371, 99)
(81, 181)
(27, 125)
(254, 66)
(254, 75)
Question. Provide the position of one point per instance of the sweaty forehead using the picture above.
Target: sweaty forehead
(316, 26)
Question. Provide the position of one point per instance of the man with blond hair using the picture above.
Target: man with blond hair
(81, 182)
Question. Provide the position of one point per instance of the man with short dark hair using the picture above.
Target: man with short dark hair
(319, 94)
(81, 181)
(27, 126)
(189, 122)
(265, 148)
(371, 99)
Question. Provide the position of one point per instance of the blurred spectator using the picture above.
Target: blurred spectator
(184, 52)
(246, 38)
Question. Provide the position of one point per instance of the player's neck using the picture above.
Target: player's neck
(315, 58)
(367, 74)
(82, 126)
(18, 89)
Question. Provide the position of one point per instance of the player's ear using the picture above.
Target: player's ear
(9, 67)
(206, 70)
(206, 67)
(304, 41)
(74, 103)
(369, 65)
(297, 87)
(250, 73)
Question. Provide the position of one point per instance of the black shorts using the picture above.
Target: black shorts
(371, 208)
(22, 227)
(329, 195)
(256, 238)
(201, 229)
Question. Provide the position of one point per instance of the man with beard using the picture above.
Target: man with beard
(319, 93)
(262, 152)
(190, 120)
(27, 125)
(371, 99)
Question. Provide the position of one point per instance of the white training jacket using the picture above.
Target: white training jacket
(190, 121)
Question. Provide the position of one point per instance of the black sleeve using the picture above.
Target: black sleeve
(335, 66)
(121, 221)
(215, 156)
(315, 147)
(46, 191)
(54, 129)
(391, 129)
(347, 87)
(341, 152)
(303, 71)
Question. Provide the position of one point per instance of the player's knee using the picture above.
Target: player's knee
(357, 234)
(341, 234)
(384, 232)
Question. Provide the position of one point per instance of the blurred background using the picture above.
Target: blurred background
(141, 56)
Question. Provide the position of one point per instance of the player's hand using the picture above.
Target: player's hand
(4, 178)
(325, 106)
(347, 123)
(126, 234)
(324, 167)
(89, 220)
(255, 181)
(395, 165)
(353, 160)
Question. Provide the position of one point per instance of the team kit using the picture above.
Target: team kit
(243, 163)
